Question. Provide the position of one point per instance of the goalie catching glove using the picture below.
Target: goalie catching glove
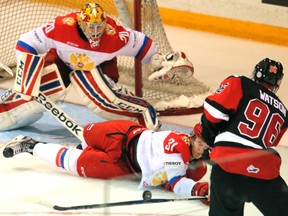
(170, 65)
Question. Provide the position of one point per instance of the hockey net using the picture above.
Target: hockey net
(172, 97)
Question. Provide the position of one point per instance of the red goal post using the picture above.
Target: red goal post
(172, 97)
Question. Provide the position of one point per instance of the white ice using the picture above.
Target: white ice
(31, 187)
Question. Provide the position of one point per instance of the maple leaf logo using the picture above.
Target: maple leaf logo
(273, 69)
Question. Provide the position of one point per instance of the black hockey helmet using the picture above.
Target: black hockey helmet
(269, 73)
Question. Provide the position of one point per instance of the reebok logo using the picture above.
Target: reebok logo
(59, 114)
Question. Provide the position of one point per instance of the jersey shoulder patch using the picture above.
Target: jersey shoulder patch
(60, 25)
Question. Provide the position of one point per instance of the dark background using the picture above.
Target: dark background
(276, 2)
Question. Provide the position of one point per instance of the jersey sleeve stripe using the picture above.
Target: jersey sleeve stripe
(174, 180)
(144, 48)
(23, 47)
(215, 113)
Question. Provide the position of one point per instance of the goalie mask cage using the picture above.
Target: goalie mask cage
(173, 97)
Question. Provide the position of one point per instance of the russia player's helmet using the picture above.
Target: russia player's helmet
(198, 144)
(268, 73)
(92, 21)
(197, 131)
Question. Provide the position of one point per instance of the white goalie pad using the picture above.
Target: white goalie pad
(126, 101)
(20, 116)
(28, 74)
(111, 101)
(170, 65)
(17, 113)
(52, 84)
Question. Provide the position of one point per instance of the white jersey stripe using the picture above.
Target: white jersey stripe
(215, 113)
(230, 137)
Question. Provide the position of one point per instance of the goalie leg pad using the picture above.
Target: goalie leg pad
(102, 97)
(125, 101)
(16, 112)
(19, 113)
(52, 84)
(28, 74)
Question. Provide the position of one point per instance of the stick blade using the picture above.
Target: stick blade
(60, 208)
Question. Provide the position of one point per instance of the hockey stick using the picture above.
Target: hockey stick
(50, 106)
(125, 203)
(53, 109)
(7, 69)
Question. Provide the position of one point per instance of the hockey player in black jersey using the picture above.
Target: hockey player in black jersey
(244, 121)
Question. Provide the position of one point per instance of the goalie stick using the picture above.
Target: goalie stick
(7, 69)
(125, 203)
(53, 109)
(50, 106)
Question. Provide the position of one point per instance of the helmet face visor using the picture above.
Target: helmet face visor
(94, 31)
(92, 21)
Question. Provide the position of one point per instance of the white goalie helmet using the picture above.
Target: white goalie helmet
(92, 21)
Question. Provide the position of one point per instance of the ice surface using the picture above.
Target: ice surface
(31, 187)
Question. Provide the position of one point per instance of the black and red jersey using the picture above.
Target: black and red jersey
(244, 121)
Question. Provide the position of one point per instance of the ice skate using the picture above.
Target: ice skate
(18, 145)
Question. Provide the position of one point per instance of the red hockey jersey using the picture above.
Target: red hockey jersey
(244, 122)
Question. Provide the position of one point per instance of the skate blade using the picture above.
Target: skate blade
(14, 140)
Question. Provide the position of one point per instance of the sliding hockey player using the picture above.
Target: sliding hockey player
(121, 147)
(81, 49)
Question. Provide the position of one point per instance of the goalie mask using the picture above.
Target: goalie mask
(268, 73)
(92, 21)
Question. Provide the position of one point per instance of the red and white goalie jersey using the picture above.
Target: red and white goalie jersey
(164, 157)
(63, 35)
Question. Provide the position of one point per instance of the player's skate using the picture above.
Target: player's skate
(18, 145)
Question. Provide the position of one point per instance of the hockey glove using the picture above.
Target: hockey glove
(197, 169)
(201, 189)
(170, 65)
